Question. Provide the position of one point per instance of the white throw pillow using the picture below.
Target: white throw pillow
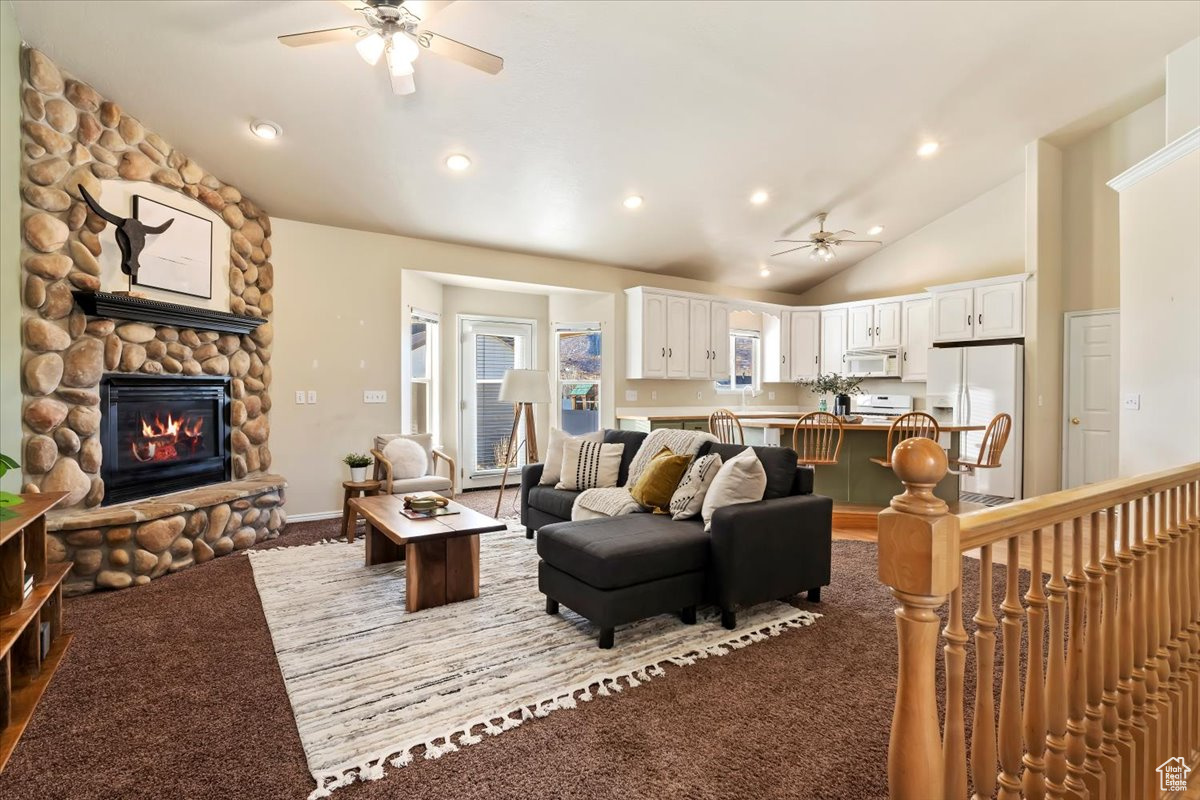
(552, 467)
(741, 479)
(589, 465)
(689, 497)
(407, 458)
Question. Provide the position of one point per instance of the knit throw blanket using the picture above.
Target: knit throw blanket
(617, 500)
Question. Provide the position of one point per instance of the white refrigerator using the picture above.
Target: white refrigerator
(969, 386)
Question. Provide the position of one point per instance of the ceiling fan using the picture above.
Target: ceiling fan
(392, 30)
(822, 242)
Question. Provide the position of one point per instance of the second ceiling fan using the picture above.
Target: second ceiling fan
(393, 31)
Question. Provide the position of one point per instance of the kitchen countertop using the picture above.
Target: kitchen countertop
(770, 419)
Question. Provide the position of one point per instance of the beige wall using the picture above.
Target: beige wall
(340, 318)
(1160, 327)
(1091, 244)
(1183, 90)
(10, 243)
(981, 239)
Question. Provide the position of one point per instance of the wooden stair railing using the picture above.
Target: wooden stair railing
(1098, 661)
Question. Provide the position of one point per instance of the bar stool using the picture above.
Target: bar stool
(355, 489)
(724, 425)
(908, 426)
(990, 449)
(817, 438)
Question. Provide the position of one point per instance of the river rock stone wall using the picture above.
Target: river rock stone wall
(71, 137)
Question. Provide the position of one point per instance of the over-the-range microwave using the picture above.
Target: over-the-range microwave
(874, 362)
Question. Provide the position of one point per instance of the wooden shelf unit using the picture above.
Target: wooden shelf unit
(24, 673)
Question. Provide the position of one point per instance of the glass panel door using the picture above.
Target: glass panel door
(578, 352)
(490, 348)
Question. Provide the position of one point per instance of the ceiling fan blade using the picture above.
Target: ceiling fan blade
(462, 53)
(320, 37)
(795, 241)
(794, 249)
(843, 230)
(857, 241)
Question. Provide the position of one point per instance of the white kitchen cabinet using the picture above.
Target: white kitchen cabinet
(678, 333)
(646, 334)
(914, 365)
(804, 340)
(772, 348)
(1000, 311)
(833, 340)
(953, 315)
(699, 339)
(860, 326)
(887, 323)
(719, 327)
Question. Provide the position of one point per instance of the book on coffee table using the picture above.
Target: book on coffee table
(430, 514)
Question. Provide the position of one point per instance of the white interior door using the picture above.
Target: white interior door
(489, 349)
(1092, 367)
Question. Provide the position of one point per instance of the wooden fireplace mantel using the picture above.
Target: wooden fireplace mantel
(141, 309)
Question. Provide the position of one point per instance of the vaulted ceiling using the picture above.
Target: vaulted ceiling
(693, 105)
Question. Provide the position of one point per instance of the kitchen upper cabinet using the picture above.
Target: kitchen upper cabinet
(772, 347)
(699, 339)
(1000, 311)
(833, 340)
(678, 333)
(804, 338)
(887, 323)
(861, 326)
(719, 326)
(953, 315)
(914, 365)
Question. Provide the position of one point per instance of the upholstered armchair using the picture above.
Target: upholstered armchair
(431, 481)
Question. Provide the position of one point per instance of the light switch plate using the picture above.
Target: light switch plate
(1132, 402)
(312, 396)
(631, 395)
(374, 396)
(300, 397)
(654, 395)
(770, 395)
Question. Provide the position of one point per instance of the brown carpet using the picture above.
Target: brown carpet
(172, 690)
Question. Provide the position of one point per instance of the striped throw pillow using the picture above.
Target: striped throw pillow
(589, 465)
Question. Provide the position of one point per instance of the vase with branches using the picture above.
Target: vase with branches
(840, 386)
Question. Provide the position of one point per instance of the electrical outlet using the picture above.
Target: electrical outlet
(770, 395)
(300, 397)
(699, 395)
(631, 395)
(312, 396)
(1132, 402)
(374, 396)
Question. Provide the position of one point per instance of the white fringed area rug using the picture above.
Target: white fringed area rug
(371, 684)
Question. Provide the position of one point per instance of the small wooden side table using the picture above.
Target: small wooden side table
(355, 489)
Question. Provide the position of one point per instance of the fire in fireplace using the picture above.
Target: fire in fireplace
(163, 433)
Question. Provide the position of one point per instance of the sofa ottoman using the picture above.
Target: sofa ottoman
(622, 569)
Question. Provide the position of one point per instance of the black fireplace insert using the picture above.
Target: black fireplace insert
(162, 433)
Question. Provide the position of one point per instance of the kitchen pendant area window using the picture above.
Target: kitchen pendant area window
(578, 352)
(745, 362)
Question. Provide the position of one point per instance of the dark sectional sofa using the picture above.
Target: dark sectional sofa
(620, 569)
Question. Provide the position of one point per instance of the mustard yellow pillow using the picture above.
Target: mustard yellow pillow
(657, 483)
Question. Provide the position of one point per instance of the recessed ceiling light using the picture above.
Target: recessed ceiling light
(764, 272)
(759, 197)
(633, 201)
(875, 230)
(927, 149)
(458, 162)
(265, 130)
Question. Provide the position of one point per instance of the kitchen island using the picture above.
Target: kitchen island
(854, 481)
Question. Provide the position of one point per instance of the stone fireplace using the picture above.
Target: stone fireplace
(149, 409)
(163, 433)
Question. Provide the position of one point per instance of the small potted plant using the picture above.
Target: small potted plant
(840, 386)
(358, 463)
(8, 498)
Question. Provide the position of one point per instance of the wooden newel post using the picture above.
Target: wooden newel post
(920, 561)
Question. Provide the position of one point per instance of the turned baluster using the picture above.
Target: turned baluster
(983, 723)
(1142, 725)
(1033, 722)
(1192, 573)
(1166, 693)
(1076, 666)
(1009, 777)
(954, 742)
(1094, 649)
(1056, 679)
(1155, 746)
(1126, 746)
(920, 561)
(1175, 689)
(1110, 756)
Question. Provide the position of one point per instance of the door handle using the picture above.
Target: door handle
(816, 359)
(670, 352)
(876, 330)
(664, 352)
(969, 320)
(980, 320)
(1074, 420)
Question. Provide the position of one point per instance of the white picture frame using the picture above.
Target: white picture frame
(179, 259)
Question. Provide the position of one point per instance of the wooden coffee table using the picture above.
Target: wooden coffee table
(442, 552)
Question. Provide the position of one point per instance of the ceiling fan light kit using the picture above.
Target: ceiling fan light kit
(394, 31)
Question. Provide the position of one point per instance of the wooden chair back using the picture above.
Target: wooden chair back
(817, 438)
(994, 440)
(724, 425)
(909, 426)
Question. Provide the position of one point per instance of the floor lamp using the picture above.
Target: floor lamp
(522, 388)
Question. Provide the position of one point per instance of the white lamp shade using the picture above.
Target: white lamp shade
(525, 386)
